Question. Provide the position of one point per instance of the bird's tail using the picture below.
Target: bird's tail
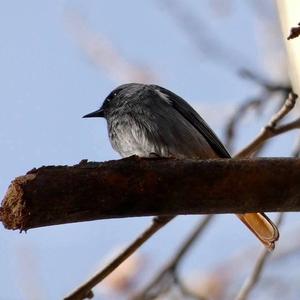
(264, 229)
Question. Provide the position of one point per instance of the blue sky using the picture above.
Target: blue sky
(48, 83)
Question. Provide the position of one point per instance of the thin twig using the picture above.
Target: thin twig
(241, 111)
(84, 291)
(264, 83)
(269, 89)
(256, 273)
(168, 273)
(271, 129)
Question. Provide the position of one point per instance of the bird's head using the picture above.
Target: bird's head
(116, 99)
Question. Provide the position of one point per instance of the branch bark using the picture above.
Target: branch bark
(142, 187)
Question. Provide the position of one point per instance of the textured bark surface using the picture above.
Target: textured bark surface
(141, 187)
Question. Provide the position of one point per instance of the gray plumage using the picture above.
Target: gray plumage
(148, 120)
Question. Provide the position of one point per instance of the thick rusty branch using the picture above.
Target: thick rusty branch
(142, 187)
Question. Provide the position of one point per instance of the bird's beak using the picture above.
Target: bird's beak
(95, 114)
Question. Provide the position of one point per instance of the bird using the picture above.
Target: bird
(148, 120)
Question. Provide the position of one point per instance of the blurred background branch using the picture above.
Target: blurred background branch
(102, 53)
(167, 277)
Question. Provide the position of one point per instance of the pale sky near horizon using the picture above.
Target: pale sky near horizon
(48, 83)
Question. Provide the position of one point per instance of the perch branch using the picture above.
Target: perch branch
(147, 187)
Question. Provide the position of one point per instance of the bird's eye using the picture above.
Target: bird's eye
(112, 95)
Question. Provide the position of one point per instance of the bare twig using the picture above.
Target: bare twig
(256, 273)
(168, 274)
(269, 89)
(265, 84)
(232, 124)
(295, 32)
(272, 129)
(84, 291)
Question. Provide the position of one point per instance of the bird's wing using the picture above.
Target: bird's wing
(193, 118)
(264, 229)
